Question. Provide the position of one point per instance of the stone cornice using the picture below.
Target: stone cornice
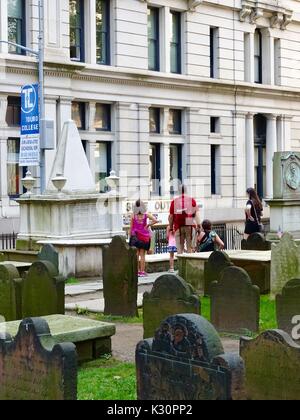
(253, 10)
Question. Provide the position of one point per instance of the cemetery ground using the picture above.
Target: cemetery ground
(113, 377)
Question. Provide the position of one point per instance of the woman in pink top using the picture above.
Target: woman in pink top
(140, 236)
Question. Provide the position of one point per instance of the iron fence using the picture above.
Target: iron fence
(8, 241)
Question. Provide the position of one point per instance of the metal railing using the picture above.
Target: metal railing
(8, 241)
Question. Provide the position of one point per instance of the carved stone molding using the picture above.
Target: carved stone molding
(193, 4)
(255, 15)
(279, 16)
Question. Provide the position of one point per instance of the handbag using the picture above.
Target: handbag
(261, 227)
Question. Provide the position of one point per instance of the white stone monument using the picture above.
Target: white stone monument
(71, 215)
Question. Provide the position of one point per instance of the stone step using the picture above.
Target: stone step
(20, 256)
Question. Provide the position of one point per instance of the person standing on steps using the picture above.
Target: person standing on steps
(254, 212)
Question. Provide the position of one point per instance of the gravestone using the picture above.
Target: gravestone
(43, 291)
(170, 295)
(235, 302)
(49, 253)
(33, 368)
(272, 364)
(216, 263)
(120, 278)
(186, 361)
(2, 257)
(288, 306)
(10, 293)
(256, 242)
(285, 263)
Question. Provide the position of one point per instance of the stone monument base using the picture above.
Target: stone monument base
(284, 217)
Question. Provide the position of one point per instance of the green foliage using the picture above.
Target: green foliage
(119, 319)
(72, 280)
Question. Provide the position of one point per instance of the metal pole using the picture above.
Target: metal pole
(41, 93)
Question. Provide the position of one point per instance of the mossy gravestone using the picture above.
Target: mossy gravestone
(43, 291)
(120, 278)
(285, 263)
(256, 242)
(33, 368)
(186, 361)
(216, 263)
(235, 302)
(170, 295)
(10, 293)
(288, 307)
(272, 364)
(49, 253)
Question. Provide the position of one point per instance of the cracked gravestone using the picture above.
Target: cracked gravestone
(186, 361)
(120, 278)
(32, 367)
(235, 302)
(170, 295)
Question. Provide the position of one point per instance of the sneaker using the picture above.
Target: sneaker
(172, 271)
(143, 274)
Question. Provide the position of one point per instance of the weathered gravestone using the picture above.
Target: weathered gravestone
(285, 263)
(216, 263)
(235, 302)
(170, 295)
(43, 291)
(33, 368)
(49, 253)
(120, 278)
(10, 293)
(256, 242)
(186, 361)
(272, 364)
(288, 307)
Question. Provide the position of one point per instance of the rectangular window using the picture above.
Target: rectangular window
(103, 117)
(102, 165)
(13, 112)
(214, 46)
(76, 30)
(175, 168)
(175, 121)
(258, 56)
(215, 125)
(153, 39)
(78, 114)
(102, 31)
(16, 25)
(154, 160)
(15, 173)
(215, 170)
(176, 42)
(154, 120)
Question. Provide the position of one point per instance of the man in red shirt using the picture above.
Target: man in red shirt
(184, 212)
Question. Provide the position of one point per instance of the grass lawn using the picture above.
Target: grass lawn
(107, 379)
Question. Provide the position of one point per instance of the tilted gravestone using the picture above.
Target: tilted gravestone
(33, 368)
(216, 263)
(186, 361)
(285, 263)
(256, 242)
(170, 295)
(43, 291)
(10, 293)
(272, 365)
(235, 302)
(49, 253)
(288, 307)
(120, 278)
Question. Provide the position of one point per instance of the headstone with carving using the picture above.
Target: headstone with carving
(256, 242)
(272, 364)
(120, 278)
(170, 295)
(43, 291)
(186, 361)
(216, 263)
(49, 253)
(285, 263)
(32, 367)
(10, 293)
(288, 307)
(235, 302)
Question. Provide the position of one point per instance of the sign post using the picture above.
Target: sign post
(30, 126)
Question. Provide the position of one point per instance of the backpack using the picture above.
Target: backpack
(207, 243)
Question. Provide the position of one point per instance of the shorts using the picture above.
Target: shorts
(184, 234)
(172, 249)
(252, 227)
(134, 242)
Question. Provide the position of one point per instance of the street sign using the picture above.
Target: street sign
(30, 126)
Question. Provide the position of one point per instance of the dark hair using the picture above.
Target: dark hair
(206, 225)
(183, 189)
(255, 199)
